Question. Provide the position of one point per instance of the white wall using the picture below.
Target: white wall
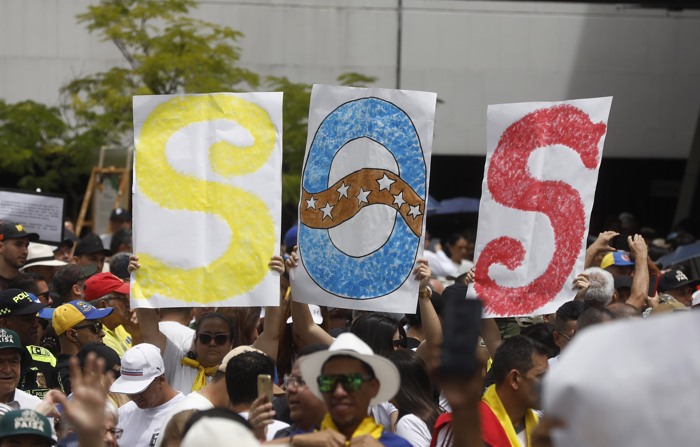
(472, 53)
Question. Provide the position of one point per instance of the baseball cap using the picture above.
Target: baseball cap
(41, 254)
(290, 237)
(315, 314)
(616, 258)
(70, 274)
(104, 283)
(12, 230)
(25, 422)
(110, 356)
(674, 279)
(91, 244)
(140, 365)
(10, 339)
(623, 281)
(120, 214)
(19, 302)
(217, 431)
(68, 315)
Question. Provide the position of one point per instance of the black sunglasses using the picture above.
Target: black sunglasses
(399, 342)
(219, 339)
(96, 327)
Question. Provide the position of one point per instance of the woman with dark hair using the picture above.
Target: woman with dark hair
(417, 409)
(381, 332)
(247, 321)
(291, 342)
(215, 336)
(456, 248)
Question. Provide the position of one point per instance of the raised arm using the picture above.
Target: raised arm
(268, 341)
(147, 318)
(602, 244)
(432, 328)
(640, 282)
(301, 315)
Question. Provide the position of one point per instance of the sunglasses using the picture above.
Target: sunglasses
(564, 335)
(293, 379)
(219, 339)
(399, 342)
(96, 327)
(327, 383)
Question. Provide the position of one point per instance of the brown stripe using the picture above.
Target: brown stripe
(346, 207)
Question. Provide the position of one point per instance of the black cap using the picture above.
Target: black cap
(11, 230)
(69, 238)
(19, 302)
(120, 214)
(674, 279)
(112, 360)
(623, 281)
(91, 244)
(455, 291)
(121, 270)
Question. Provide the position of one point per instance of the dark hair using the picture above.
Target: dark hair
(569, 311)
(451, 241)
(313, 347)
(515, 353)
(121, 236)
(233, 334)
(543, 333)
(593, 315)
(27, 282)
(377, 330)
(222, 413)
(286, 347)
(242, 375)
(415, 320)
(623, 310)
(246, 320)
(415, 394)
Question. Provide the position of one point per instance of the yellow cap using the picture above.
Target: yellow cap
(65, 317)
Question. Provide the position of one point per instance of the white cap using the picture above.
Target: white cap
(217, 431)
(315, 314)
(140, 365)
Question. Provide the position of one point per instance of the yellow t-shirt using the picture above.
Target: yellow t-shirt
(118, 339)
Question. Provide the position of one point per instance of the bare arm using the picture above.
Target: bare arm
(268, 341)
(491, 335)
(432, 328)
(602, 244)
(147, 318)
(640, 282)
(301, 315)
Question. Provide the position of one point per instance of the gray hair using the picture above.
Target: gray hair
(110, 408)
(116, 258)
(602, 287)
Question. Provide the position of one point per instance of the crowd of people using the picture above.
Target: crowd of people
(78, 366)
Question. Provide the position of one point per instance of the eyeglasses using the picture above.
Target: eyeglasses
(290, 379)
(45, 295)
(219, 339)
(96, 327)
(564, 335)
(398, 343)
(327, 383)
(117, 432)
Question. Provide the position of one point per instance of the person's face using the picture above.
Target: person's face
(683, 295)
(25, 441)
(26, 326)
(305, 409)
(620, 270)
(91, 258)
(110, 439)
(210, 354)
(63, 253)
(84, 333)
(348, 408)
(395, 340)
(116, 225)
(530, 383)
(9, 370)
(43, 294)
(470, 251)
(14, 251)
(560, 339)
(121, 305)
(150, 397)
(458, 251)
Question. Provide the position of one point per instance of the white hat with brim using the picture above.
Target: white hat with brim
(139, 366)
(315, 315)
(348, 344)
(41, 254)
(218, 431)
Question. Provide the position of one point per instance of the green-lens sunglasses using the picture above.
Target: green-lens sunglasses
(327, 383)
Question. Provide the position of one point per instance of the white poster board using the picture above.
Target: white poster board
(539, 184)
(207, 197)
(39, 213)
(363, 195)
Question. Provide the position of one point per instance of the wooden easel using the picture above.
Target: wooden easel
(89, 198)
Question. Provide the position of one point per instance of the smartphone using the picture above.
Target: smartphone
(461, 336)
(265, 386)
(653, 284)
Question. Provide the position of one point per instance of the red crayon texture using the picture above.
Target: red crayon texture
(511, 185)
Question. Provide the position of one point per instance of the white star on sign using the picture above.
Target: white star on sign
(362, 197)
(398, 200)
(343, 191)
(414, 211)
(385, 183)
(311, 203)
(327, 211)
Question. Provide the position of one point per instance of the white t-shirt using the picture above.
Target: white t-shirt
(142, 426)
(193, 401)
(522, 437)
(178, 333)
(553, 362)
(272, 428)
(413, 430)
(180, 377)
(382, 414)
